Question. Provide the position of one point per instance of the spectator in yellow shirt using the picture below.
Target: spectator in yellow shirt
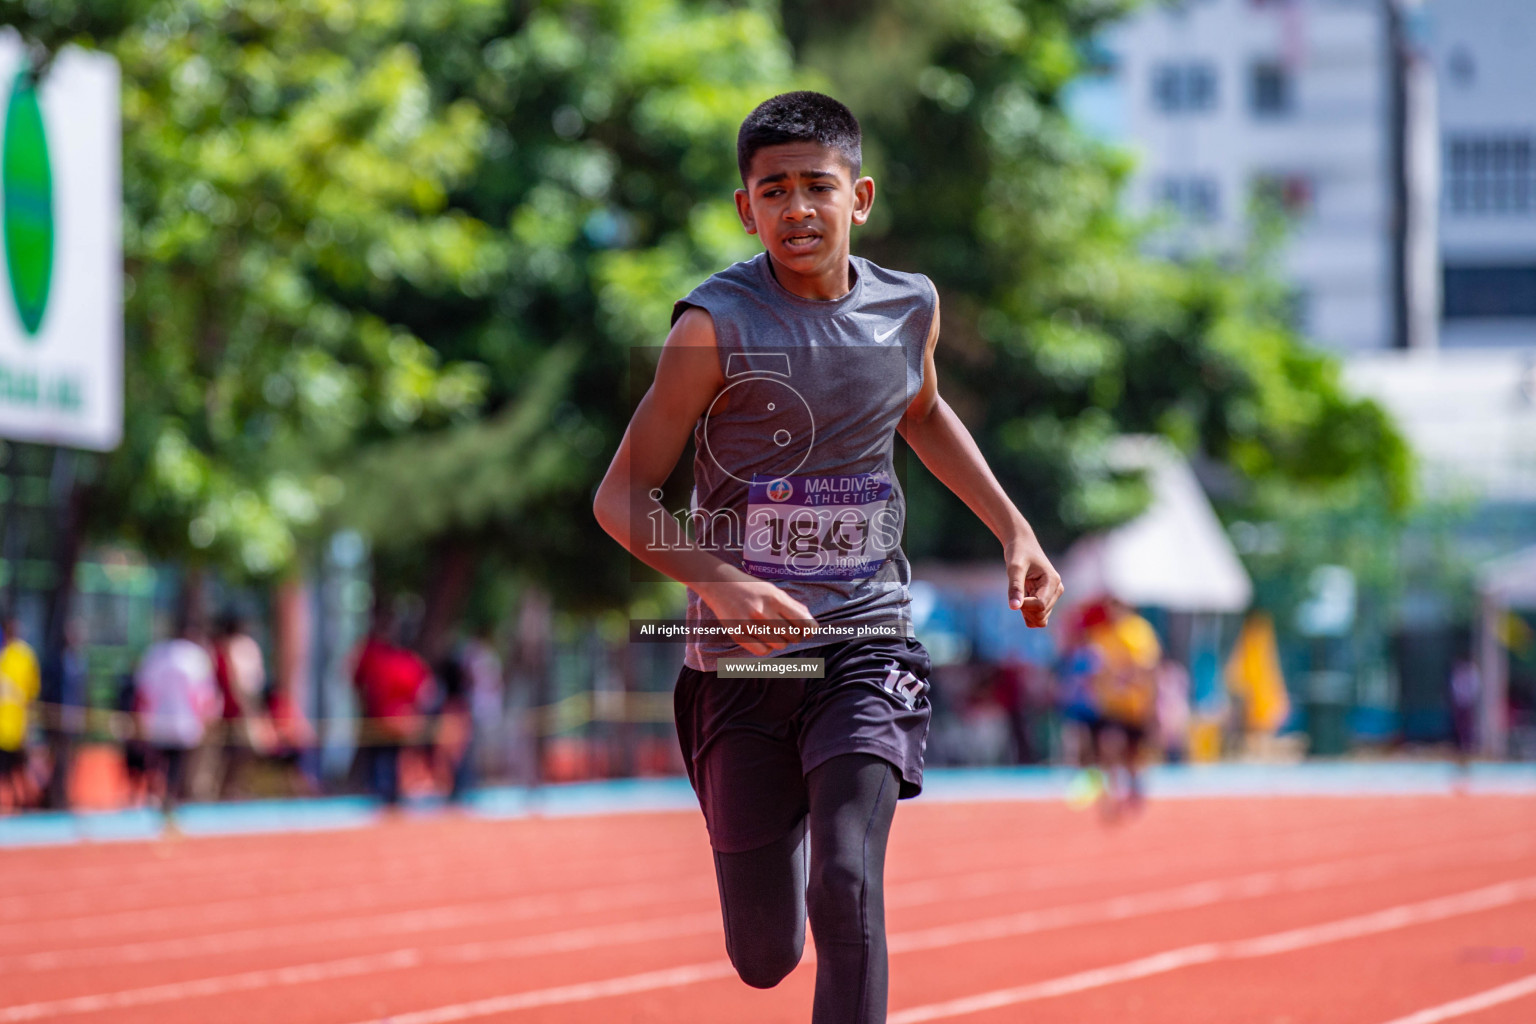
(1124, 691)
(19, 682)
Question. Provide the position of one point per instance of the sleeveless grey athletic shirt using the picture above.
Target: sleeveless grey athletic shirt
(805, 425)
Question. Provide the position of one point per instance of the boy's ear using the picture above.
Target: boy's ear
(863, 198)
(744, 211)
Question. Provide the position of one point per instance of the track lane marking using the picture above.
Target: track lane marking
(1191, 896)
(471, 912)
(1390, 919)
(248, 981)
(365, 898)
(1473, 1003)
(406, 869)
(200, 867)
(582, 992)
(404, 922)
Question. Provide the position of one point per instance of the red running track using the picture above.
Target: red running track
(1398, 910)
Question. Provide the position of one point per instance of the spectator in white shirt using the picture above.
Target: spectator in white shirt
(176, 699)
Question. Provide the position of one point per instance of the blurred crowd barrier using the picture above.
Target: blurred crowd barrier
(599, 709)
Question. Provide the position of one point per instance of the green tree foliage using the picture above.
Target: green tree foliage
(608, 171)
(287, 171)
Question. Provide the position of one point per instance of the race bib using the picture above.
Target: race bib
(820, 527)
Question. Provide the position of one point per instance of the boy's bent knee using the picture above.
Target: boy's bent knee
(837, 884)
(765, 968)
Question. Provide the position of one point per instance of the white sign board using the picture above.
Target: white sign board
(61, 255)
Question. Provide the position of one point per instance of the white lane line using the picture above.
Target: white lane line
(94, 910)
(149, 868)
(408, 922)
(576, 939)
(1142, 967)
(1184, 897)
(144, 948)
(146, 879)
(1098, 977)
(1116, 908)
(247, 982)
(573, 940)
(34, 906)
(371, 899)
(1390, 919)
(1471, 1004)
(412, 921)
(672, 977)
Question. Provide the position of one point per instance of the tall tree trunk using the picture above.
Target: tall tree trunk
(453, 572)
(531, 671)
(13, 537)
(192, 602)
(69, 493)
(292, 636)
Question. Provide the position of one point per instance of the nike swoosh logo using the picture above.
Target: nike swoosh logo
(887, 334)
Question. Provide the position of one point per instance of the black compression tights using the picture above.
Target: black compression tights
(765, 893)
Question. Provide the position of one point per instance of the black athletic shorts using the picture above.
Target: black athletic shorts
(749, 743)
(1134, 734)
(12, 761)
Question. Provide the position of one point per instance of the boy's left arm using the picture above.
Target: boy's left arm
(938, 437)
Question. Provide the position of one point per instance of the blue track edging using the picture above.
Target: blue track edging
(1175, 782)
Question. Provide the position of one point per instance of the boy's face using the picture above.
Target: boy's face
(803, 199)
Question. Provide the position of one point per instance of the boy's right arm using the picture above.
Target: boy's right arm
(688, 379)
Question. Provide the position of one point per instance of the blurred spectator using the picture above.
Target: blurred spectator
(487, 701)
(135, 751)
(389, 681)
(987, 728)
(1466, 687)
(64, 697)
(1011, 691)
(453, 737)
(1120, 665)
(1173, 710)
(1255, 684)
(241, 675)
(177, 699)
(292, 738)
(19, 686)
(1080, 662)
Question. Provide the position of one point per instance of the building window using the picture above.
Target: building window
(1184, 88)
(1288, 193)
(1475, 292)
(1193, 198)
(1271, 90)
(1491, 174)
(1462, 67)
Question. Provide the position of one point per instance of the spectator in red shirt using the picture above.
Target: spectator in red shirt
(389, 681)
(241, 674)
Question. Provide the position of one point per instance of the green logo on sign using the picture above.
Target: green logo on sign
(27, 186)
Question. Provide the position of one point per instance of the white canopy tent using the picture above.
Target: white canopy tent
(1175, 555)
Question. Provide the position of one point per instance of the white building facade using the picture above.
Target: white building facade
(1403, 150)
(1484, 55)
(1286, 100)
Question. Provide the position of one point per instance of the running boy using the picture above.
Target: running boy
(794, 371)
